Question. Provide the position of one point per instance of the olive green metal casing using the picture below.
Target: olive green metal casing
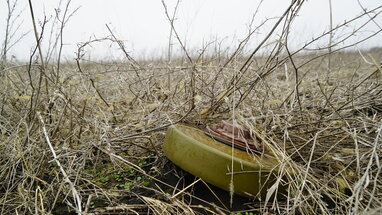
(202, 156)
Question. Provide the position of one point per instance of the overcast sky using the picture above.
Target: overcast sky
(144, 28)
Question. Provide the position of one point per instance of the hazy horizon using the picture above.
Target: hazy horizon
(145, 29)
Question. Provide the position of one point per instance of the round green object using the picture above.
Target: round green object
(189, 148)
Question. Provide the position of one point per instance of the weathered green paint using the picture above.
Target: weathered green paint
(200, 155)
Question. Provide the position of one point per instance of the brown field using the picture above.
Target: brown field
(106, 123)
(85, 137)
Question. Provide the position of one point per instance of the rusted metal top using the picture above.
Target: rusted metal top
(236, 136)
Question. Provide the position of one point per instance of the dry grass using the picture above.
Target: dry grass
(85, 137)
(106, 126)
